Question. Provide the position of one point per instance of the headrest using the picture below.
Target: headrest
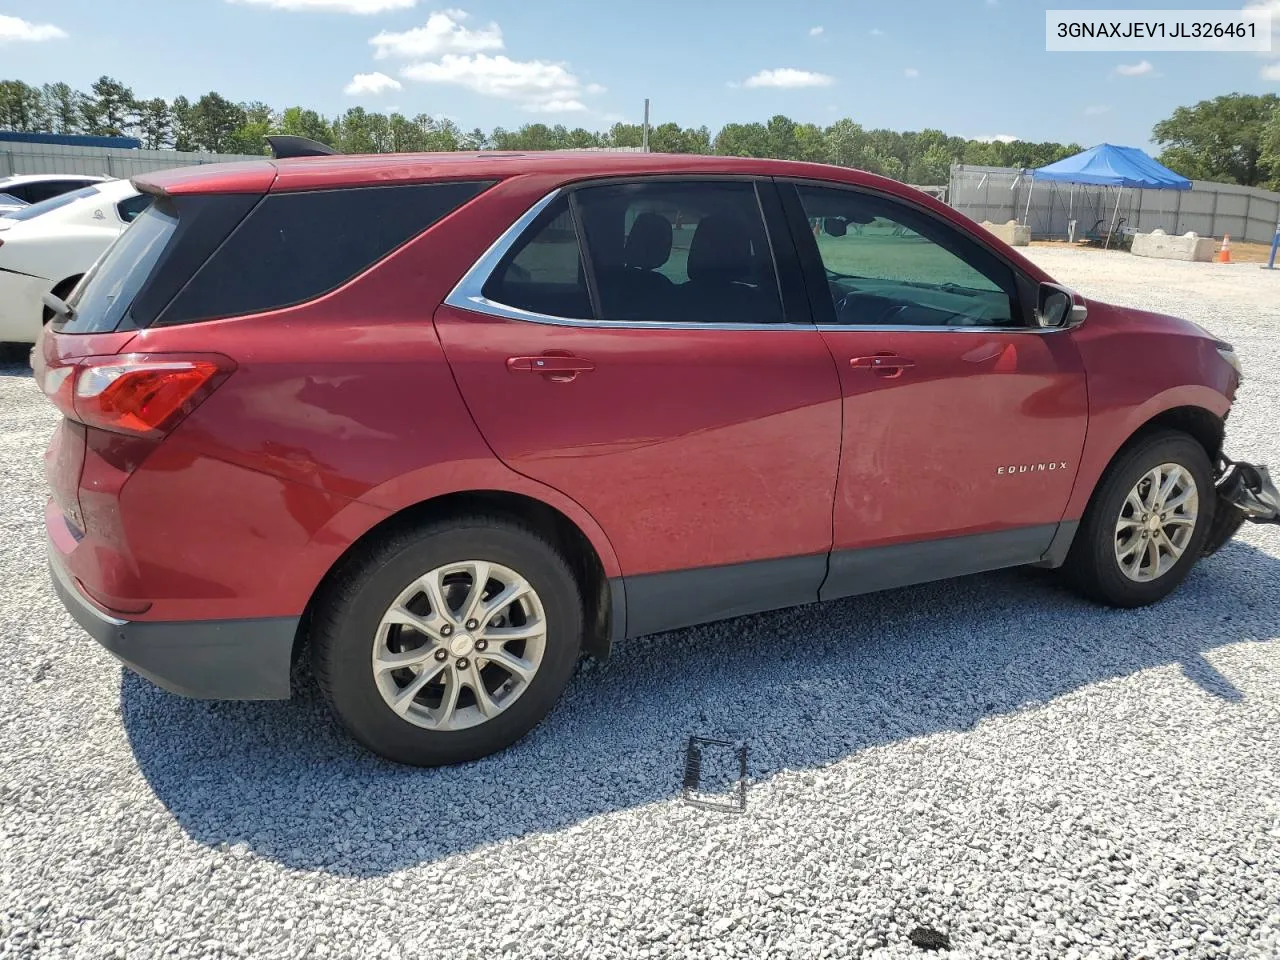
(649, 242)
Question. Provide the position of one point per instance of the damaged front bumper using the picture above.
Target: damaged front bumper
(1244, 492)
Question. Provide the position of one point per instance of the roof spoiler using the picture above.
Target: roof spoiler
(283, 147)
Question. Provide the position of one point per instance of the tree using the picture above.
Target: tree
(250, 136)
(62, 107)
(211, 123)
(1221, 139)
(154, 122)
(298, 122)
(742, 140)
(109, 108)
(22, 107)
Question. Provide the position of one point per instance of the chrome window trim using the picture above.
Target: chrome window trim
(468, 294)
(905, 328)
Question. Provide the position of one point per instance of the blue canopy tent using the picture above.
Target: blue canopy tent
(1108, 165)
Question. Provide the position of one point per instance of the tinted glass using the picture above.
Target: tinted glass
(115, 280)
(694, 251)
(888, 264)
(47, 189)
(543, 272)
(36, 209)
(294, 247)
(129, 209)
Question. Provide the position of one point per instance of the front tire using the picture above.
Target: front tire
(448, 642)
(1146, 524)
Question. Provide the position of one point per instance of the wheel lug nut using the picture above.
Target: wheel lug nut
(482, 644)
(442, 655)
(472, 624)
(463, 663)
(446, 630)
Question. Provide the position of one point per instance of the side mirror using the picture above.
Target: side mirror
(1057, 308)
(834, 228)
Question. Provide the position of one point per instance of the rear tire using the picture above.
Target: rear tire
(1133, 547)
(464, 691)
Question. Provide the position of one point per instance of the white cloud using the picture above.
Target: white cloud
(911, 73)
(371, 83)
(787, 78)
(536, 84)
(596, 88)
(1097, 109)
(16, 29)
(333, 6)
(997, 138)
(877, 32)
(556, 106)
(1271, 71)
(443, 33)
(815, 31)
(1134, 69)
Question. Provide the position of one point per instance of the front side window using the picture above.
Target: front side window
(887, 264)
(690, 252)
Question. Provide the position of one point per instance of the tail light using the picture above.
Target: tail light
(139, 394)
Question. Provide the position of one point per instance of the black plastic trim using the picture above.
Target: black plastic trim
(900, 565)
(1065, 535)
(682, 598)
(204, 659)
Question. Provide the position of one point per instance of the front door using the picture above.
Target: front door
(962, 424)
(630, 349)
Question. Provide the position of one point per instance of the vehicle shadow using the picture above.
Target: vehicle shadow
(282, 779)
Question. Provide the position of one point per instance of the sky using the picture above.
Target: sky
(973, 68)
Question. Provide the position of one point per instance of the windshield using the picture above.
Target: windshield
(106, 293)
(53, 203)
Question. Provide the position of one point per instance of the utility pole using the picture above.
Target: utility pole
(644, 140)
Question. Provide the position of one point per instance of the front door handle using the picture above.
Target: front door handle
(557, 368)
(887, 365)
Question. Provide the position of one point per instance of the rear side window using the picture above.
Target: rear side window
(294, 247)
(102, 299)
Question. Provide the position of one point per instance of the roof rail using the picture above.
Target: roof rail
(283, 147)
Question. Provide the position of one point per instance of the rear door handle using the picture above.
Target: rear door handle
(554, 367)
(887, 365)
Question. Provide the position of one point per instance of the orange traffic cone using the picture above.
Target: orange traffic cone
(1224, 255)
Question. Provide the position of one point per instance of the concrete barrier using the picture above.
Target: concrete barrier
(1012, 232)
(1157, 243)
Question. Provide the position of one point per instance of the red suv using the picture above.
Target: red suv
(446, 421)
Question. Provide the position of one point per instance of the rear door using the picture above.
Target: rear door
(963, 424)
(627, 344)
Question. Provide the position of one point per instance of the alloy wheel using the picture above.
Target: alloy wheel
(459, 645)
(1156, 522)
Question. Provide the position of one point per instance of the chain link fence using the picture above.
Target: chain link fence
(1001, 194)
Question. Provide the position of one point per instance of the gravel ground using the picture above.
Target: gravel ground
(989, 758)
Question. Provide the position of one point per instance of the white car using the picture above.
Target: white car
(48, 246)
(18, 192)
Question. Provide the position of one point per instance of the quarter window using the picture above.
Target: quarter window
(543, 272)
(887, 264)
(129, 209)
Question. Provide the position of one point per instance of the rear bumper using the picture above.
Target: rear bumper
(206, 659)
